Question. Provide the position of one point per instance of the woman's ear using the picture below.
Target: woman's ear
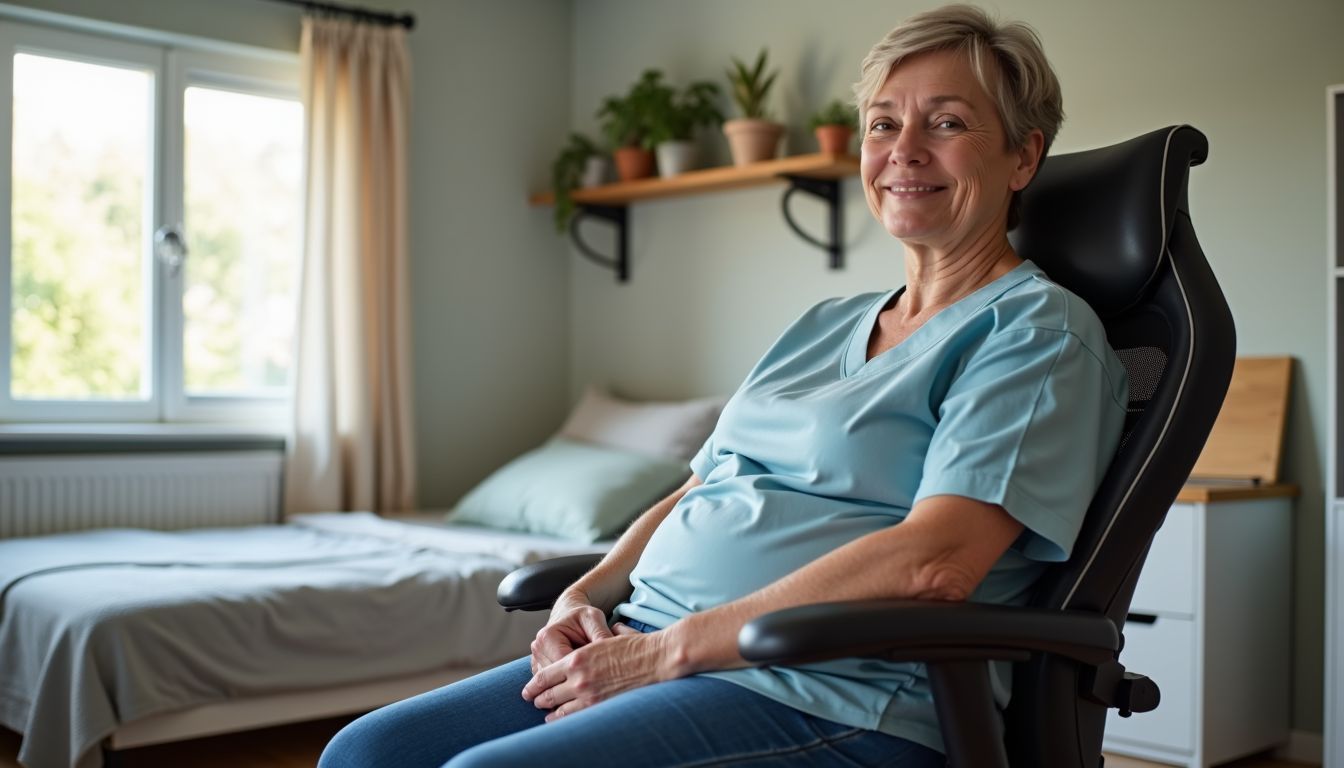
(1028, 160)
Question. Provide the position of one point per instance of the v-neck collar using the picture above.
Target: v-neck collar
(933, 329)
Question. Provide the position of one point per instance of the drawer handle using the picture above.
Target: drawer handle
(1141, 618)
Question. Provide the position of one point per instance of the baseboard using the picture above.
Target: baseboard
(1302, 747)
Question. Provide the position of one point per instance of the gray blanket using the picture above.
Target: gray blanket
(105, 627)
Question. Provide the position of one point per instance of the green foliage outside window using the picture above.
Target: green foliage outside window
(80, 306)
(77, 295)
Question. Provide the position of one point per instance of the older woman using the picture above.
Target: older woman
(938, 441)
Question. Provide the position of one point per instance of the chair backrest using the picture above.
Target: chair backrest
(1113, 226)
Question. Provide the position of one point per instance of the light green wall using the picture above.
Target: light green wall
(716, 277)
(490, 310)
(263, 24)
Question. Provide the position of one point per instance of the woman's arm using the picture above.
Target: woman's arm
(579, 615)
(941, 551)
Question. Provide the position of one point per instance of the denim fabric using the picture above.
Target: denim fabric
(639, 625)
(694, 721)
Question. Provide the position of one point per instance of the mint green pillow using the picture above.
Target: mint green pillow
(570, 489)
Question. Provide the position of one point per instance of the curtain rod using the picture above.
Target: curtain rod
(362, 14)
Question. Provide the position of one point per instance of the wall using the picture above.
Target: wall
(715, 278)
(490, 313)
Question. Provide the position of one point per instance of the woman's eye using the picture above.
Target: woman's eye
(947, 123)
(882, 125)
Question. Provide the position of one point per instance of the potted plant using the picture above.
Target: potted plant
(581, 163)
(626, 124)
(674, 118)
(753, 137)
(833, 125)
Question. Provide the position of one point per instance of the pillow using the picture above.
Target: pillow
(570, 489)
(670, 430)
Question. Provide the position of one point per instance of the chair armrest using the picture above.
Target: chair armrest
(925, 630)
(535, 587)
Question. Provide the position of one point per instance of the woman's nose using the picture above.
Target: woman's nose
(909, 148)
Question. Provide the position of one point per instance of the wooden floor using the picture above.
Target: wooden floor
(297, 746)
(1117, 761)
(289, 746)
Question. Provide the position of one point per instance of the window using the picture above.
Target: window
(150, 229)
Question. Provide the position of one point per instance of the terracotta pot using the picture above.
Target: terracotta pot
(752, 140)
(675, 157)
(633, 163)
(833, 139)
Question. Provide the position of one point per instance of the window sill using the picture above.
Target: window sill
(28, 439)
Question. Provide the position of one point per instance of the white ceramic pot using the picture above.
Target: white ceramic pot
(596, 171)
(676, 157)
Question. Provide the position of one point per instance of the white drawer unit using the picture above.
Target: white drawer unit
(1210, 623)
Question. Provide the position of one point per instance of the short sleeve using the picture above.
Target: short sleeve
(703, 462)
(1031, 424)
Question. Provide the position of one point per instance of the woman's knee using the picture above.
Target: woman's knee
(359, 744)
(491, 754)
(426, 730)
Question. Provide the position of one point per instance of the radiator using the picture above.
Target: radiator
(51, 494)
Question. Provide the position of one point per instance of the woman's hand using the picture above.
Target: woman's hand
(600, 670)
(574, 623)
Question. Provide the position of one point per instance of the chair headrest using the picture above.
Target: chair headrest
(1098, 221)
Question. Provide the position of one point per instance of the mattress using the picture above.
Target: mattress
(105, 627)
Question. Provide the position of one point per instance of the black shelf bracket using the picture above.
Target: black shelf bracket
(617, 216)
(828, 190)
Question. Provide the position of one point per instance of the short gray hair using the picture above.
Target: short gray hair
(1007, 59)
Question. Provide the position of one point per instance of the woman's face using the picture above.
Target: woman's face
(935, 167)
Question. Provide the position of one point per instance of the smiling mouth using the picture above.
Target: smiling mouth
(912, 188)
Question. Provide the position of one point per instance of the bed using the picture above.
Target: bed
(144, 636)
(118, 638)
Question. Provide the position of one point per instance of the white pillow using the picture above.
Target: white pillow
(670, 430)
(569, 489)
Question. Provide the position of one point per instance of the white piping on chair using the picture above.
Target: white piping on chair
(1185, 376)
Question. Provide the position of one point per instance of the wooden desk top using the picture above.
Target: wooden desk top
(1247, 438)
(1205, 492)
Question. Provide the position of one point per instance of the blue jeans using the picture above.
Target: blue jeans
(694, 721)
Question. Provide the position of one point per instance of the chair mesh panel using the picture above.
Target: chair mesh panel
(1145, 366)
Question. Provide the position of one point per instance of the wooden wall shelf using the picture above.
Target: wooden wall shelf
(818, 166)
(818, 175)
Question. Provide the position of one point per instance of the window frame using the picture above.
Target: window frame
(76, 46)
(177, 62)
(211, 70)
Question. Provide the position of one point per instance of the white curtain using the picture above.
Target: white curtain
(351, 445)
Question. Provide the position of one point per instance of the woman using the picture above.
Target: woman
(940, 441)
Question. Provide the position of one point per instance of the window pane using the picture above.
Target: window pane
(82, 143)
(244, 205)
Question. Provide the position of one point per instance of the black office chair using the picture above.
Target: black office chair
(1112, 225)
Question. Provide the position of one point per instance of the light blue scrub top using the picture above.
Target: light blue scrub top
(1010, 396)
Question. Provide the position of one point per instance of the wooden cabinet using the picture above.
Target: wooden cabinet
(1211, 623)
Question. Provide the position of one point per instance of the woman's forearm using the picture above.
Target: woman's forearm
(941, 551)
(608, 583)
(708, 640)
